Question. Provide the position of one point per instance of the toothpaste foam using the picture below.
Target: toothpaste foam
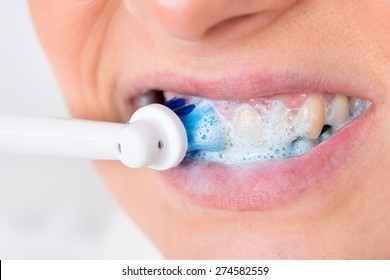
(270, 134)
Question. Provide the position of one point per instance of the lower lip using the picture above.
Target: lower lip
(274, 183)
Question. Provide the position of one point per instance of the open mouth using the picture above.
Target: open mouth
(265, 128)
(272, 148)
(239, 132)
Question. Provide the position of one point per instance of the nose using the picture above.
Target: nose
(193, 19)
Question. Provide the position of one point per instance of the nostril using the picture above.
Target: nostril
(191, 20)
(231, 21)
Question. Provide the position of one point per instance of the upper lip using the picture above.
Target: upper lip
(233, 85)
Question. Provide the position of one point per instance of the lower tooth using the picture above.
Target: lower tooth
(326, 134)
(302, 145)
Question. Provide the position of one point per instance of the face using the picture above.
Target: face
(316, 62)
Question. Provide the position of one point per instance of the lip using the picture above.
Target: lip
(273, 183)
(243, 84)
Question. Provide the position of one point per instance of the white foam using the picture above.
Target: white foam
(270, 137)
(275, 132)
(357, 106)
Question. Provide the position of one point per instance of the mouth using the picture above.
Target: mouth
(275, 146)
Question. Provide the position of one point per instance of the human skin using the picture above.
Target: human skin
(96, 47)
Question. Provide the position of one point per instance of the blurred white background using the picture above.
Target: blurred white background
(51, 208)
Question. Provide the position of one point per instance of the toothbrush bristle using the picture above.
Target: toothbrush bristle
(175, 103)
(202, 126)
(185, 110)
(179, 106)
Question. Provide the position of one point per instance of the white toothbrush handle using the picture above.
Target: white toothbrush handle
(155, 137)
(59, 137)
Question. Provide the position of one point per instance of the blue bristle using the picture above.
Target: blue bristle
(175, 103)
(185, 110)
(203, 129)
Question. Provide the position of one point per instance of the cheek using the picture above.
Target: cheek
(138, 192)
(63, 26)
(378, 10)
(376, 15)
(72, 33)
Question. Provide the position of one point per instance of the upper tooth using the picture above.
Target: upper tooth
(357, 106)
(247, 122)
(339, 112)
(313, 114)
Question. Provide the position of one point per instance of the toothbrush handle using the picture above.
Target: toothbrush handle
(155, 137)
(59, 137)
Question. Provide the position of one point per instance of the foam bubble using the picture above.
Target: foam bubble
(270, 136)
(273, 132)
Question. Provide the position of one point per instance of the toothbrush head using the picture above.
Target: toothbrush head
(203, 128)
(155, 137)
(161, 136)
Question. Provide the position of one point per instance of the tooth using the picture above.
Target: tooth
(357, 106)
(313, 114)
(339, 112)
(284, 125)
(247, 123)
